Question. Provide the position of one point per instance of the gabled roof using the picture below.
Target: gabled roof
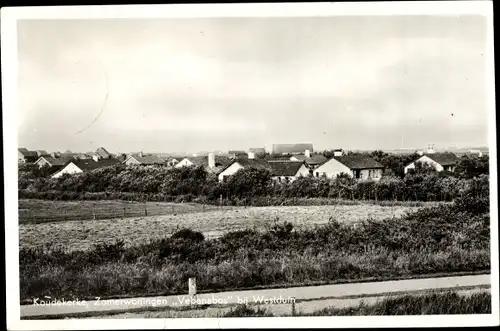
(90, 164)
(148, 159)
(314, 159)
(54, 161)
(358, 162)
(42, 152)
(288, 168)
(246, 162)
(203, 160)
(27, 153)
(444, 159)
(103, 152)
(291, 148)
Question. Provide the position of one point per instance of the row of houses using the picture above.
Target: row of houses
(359, 166)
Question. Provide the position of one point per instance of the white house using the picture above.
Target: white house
(79, 166)
(52, 161)
(356, 166)
(211, 163)
(288, 171)
(440, 161)
(238, 164)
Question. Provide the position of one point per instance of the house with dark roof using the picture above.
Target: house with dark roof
(445, 161)
(103, 153)
(79, 166)
(53, 162)
(356, 166)
(288, 171)
(241, 163)
(312, 161)
(41, 152)
(142, 159)
(292, 148)
(211, 163)
(26, 156)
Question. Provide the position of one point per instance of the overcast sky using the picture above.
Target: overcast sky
(231, 83)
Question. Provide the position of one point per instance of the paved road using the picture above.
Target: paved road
(281, 295)
(280, 310)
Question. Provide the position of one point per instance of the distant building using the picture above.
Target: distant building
(288, 171)
(476, 152)
(41, 152)
(312, 161)
(257, 151)
(211, 163)
(241, 163)
(234, 154)
(79, 166)
(440, 161)
(26, 156)
(356, 166)
(142, 159)
(53, 162)
(103, 153)
(291, 148)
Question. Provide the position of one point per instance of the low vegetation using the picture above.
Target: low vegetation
(442, 239)
(82, 235)
(447, 303)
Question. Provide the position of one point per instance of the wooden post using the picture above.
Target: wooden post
(145, 211)
(293, 307)
(172, 209)
(123, 212)
(93, 212)
(192, 286)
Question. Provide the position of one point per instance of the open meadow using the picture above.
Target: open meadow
(213, 222)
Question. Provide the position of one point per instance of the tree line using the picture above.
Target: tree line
(250, 184)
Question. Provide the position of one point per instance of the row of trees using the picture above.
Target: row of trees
(249, 183)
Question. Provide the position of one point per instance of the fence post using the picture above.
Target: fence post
(293, 306)
(123, 212)
(192, 286)
(145, 211)
(93, 212)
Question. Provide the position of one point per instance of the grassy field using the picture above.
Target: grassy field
(44, 211)
(78, 235)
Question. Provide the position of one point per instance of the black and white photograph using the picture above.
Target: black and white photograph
(228, 165)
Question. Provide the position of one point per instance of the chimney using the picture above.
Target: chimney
(307, 153)
(430, 149)
(211, 160)
(338, 152)
(141, 154)
(251, 155)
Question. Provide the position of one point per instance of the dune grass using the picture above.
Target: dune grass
(447, 303)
